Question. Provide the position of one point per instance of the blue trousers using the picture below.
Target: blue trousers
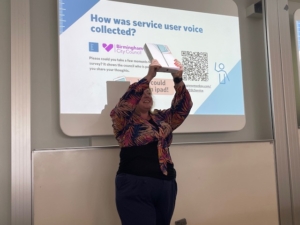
(145, 200)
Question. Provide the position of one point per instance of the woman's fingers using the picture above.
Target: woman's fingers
(155, 64)
(153, 67)
(177, 63)
(180, 71)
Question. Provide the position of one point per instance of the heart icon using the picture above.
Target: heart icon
(107, 47)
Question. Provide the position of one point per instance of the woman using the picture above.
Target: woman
(145, 183)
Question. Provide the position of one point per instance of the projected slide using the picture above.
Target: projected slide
(102, 41)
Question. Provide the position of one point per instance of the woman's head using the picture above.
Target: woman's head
(146, 102)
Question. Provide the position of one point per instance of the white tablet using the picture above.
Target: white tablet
(163, 55)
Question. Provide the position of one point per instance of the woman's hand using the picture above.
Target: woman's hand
(180, 71)
(153, 67)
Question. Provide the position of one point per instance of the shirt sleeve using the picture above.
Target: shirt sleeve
(180, 107)
(123, 110)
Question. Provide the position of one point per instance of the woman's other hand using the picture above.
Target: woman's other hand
(180, 71)
(153, 67)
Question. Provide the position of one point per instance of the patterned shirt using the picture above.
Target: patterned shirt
(132, 130)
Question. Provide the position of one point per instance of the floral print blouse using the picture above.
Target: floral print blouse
(132, 130)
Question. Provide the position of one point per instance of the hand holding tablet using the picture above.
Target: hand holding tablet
(163, 55)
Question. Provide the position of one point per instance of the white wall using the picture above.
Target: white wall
(5, 112)
(240, 164)
(247, 196)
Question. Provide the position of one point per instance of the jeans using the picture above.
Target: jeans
(145, 200)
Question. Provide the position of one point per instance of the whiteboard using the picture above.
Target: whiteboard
(222, 184)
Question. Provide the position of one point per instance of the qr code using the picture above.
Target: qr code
(195, 66)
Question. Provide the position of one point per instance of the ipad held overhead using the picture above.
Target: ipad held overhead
(163, 55)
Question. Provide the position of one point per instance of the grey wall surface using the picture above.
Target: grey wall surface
(5, 113)
(45, 79)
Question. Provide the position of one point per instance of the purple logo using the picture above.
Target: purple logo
(107, 47)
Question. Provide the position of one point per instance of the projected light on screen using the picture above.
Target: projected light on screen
(102, 41)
